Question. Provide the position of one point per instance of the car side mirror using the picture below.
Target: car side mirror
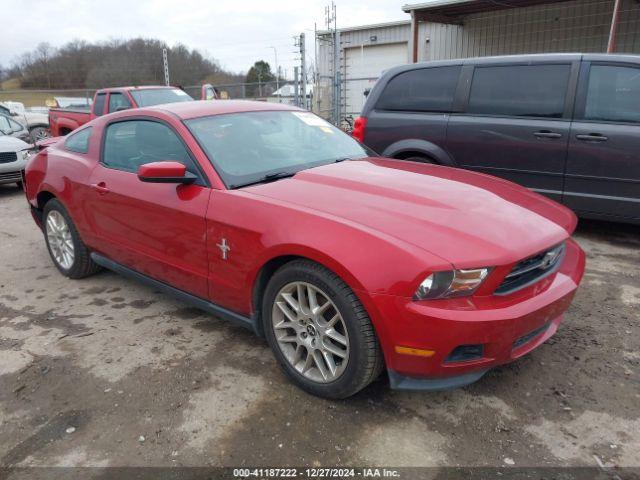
(165, 172)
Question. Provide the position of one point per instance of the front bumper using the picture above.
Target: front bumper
(10, 177)
(505, 327)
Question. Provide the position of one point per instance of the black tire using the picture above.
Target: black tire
(82, 265)
(39, 133)
(419, 159)
(365, 360)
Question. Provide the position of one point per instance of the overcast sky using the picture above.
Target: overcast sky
(235, 32)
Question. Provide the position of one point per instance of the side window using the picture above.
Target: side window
(519, 90)
(132, 143)
(98, 108)
(118, 101)
(613, 94)
(15, 126)
(5, 126)
(422, 90)
(78, 141)
(209, 93)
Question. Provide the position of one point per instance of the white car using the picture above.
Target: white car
(13, 158)
(36, 122)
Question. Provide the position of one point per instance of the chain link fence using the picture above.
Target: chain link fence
(41, 100)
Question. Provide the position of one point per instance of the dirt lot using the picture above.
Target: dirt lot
(104, 371)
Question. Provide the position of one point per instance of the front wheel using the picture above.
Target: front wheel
(39, 133)
(319, 331)
(69, 253)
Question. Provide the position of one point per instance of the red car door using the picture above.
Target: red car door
(157, 229)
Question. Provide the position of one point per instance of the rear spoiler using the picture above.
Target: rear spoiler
(47, 142)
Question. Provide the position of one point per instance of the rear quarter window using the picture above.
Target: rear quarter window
(78, 141)
(421, 90)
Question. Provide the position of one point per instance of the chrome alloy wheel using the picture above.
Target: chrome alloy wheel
(310, 332)
(60, 240)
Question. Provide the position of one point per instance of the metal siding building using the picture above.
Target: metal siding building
(573, 26)
(362, 54)
(464, 28)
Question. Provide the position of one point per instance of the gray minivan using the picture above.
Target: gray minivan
(564, 125)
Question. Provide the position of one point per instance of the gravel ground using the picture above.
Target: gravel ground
(107, 372)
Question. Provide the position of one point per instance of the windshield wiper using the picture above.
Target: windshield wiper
(269, 177)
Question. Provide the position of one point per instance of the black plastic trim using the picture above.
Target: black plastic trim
(212, 308)
(187, 179)
(398, 381)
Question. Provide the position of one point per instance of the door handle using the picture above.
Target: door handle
(592, 137)
(547, 134)
(101, 188)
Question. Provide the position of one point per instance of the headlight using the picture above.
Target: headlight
(453, 283)
(24, 154)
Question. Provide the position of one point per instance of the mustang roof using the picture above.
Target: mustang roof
(204, 108)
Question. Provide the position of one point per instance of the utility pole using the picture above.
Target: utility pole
(303, 69)
(165, 61)
(296, 85)
(275, 51)
(332, 27)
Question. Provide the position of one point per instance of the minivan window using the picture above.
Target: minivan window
(613, 94)
(98, 108)
(519, 90)
(421, 90)
(78, 141)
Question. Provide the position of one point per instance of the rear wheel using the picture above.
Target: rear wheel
(319, 331)
(69, 253)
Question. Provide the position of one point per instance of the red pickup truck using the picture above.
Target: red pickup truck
(109, 100)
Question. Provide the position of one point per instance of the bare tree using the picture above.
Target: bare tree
(79, 64)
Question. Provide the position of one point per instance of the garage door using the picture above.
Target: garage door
(364, 66)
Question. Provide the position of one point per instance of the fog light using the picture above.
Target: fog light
(465, 353)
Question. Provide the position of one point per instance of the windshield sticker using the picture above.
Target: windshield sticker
(311, 119)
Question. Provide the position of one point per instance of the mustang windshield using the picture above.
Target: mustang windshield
(253, 147)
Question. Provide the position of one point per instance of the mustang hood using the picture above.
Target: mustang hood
(473, 218)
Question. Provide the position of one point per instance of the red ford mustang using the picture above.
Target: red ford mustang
(346, 262)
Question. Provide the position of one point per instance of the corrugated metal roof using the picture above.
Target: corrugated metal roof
(433, 4)
(454, 8)
(368, 27)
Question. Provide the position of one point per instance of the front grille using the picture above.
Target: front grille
(8, 157)
(13, 176)
(532, 269)
(523, 340)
